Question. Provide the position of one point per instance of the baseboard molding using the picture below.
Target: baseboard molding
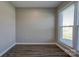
(36, 43)
(7, 49)
(65, 50)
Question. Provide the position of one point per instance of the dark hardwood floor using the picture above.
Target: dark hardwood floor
(35, 51)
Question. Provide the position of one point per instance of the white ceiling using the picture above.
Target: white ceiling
(44, 4)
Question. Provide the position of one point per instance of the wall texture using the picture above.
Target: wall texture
(7, 26)
(35, 25)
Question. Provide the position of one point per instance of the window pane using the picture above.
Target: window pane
(78, 27)
(68, 16)
(78, 14)
(78, 40)
(67, 33)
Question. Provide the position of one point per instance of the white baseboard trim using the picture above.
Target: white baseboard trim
(36, 43)
(7, 49)
(65, 50)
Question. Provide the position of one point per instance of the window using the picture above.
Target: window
(78, 40)
(78, 25)
(66, 25)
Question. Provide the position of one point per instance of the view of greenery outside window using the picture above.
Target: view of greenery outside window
(67, 33)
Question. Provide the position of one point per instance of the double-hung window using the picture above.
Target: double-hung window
(66, 25)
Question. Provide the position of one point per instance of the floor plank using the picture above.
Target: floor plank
(35, 51)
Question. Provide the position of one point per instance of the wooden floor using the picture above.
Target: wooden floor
(35, 51)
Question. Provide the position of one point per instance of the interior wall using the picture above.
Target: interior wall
(35, 25)
(7, 26)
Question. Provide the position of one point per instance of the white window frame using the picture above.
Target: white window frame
(60, 27)
(75, 27)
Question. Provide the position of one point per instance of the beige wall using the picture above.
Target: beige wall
(35, 25)
(7, 26)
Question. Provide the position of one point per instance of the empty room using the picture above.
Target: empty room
(39, 28)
